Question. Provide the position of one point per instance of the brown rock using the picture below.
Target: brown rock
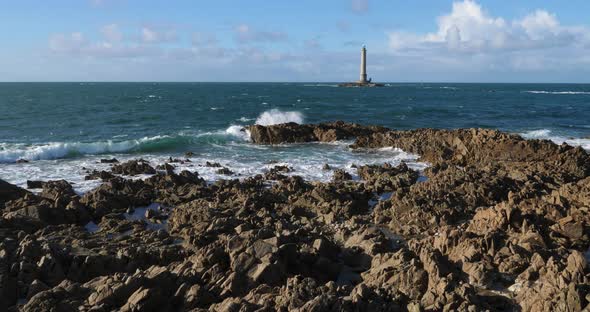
(10, 192)
(133, 167)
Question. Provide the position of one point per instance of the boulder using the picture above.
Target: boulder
(10, 192)
(133, 167)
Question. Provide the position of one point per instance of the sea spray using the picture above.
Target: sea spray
(239, 132)
(275, 116)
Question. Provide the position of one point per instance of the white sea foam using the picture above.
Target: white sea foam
(245, 160)
(239, 132)
(548, 135)
(275, 116)
(10, 153)
(536, 134)
(556, 92)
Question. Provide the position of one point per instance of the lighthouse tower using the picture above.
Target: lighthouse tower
(363, 78)
(363, 81)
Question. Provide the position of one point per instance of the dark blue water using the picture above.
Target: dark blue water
(54, 123)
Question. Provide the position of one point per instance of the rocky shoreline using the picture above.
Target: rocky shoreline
(495, 223)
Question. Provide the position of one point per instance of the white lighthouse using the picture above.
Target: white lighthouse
(363, 81)
(363, 78)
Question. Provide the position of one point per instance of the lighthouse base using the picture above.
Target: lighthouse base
(358, 84)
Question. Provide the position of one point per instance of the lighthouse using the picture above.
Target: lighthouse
(363, 78)
(363, 81)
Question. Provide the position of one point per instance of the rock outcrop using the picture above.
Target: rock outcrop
(296, 133)
(495, 223)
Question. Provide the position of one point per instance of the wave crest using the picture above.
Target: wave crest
(275, 116)
(556, 92)
(10, 153)
(548, 135)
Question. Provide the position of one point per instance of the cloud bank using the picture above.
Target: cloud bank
(466, 43)
(469, 36)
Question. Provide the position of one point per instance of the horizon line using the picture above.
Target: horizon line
(294, 82)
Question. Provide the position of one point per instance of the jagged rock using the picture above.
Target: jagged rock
(166, 167)
(480, 146)
(109, 161)
(500, 224)
(10, 192)
(386, 178)
(224, 171)
(276, 172)
(34, 184)
(144, 299)
(99, 175)
(341, 175)
(36, 287)
(295, 133)
(117, 195)
(133, 167)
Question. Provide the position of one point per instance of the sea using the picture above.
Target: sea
(63, 130)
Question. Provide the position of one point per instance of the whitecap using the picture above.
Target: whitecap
(10, 153)
(548, 135)
(239, 132)
(536, 134)
(556, 92)
(275, 116)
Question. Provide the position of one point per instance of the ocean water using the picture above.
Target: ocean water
(62, 128)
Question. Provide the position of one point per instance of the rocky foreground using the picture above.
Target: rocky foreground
(495, 223)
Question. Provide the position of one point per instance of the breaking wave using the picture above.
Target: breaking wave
(275, 116)
(548, 135)
(10, 153)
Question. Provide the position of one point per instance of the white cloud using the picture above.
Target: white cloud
(111, 33)
(205, 44)
(245, 34)
(152, 35)
(66, 42)
(468, 28)
(77, 44)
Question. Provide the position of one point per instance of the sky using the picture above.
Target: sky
(305, 40)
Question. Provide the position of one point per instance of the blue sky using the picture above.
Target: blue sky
(223, 40)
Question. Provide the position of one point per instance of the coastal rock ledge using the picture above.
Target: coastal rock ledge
(297, 133)
(495, 223)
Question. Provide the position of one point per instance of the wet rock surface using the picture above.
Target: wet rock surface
(495, 223)
(296, 133)
(133, 167)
